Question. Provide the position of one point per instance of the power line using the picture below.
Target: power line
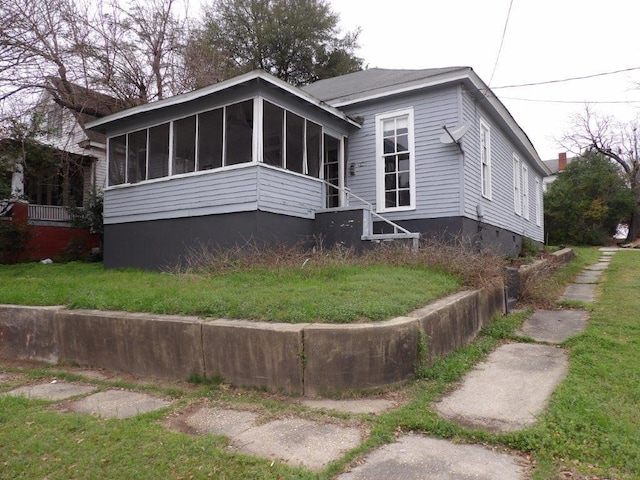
(583, 77)
(504, 33)
(570, 101)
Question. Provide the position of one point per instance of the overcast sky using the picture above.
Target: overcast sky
(544, 40)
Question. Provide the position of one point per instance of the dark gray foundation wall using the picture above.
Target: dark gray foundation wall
(161, 244)
(481, 235)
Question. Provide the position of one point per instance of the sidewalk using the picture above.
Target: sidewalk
(507, 392)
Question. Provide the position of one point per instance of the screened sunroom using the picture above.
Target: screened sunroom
(247, 146)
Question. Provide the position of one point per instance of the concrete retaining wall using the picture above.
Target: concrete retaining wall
(300, 359)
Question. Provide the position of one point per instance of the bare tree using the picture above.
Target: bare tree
(617, 141)
(133, 54)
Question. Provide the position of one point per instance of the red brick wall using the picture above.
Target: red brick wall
(55, 242)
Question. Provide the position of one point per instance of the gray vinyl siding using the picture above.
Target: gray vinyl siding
(250, 187)
(437, 165)
(500, 210)
(288, 193)
(193, 195)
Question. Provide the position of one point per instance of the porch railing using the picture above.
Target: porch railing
(49, 212)
(367, 234)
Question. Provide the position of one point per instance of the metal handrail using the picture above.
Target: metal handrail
(348, 191)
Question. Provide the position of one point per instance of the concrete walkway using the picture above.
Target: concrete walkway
(506, 392)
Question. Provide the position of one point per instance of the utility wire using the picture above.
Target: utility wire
(504, 33)
(570, 101)
(562, 80)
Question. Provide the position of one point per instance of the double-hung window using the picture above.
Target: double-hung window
(395, 161)
(517, 206)
(525, 191)
(485, 159)
(538, 203)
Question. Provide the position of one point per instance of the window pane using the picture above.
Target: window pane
(402, 143)
(388, 127)
(390, 181)
(159, 151)
(137, 157)
(404, 198)
(295, 142)
(390, 164)
(314, 132)
(239, 133)
(117, 160)
(403, 163)
(390, 199)
(272, 129)
(184, 145)
(210, 139)
(403, 180)
(389, 146)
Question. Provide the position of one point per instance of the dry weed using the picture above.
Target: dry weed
(457, 257)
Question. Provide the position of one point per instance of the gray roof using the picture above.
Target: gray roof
(373, 82)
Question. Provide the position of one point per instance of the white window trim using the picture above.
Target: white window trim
(484, 126)
(538, 203)
(525, 191)
(517, 196)
(380, 196)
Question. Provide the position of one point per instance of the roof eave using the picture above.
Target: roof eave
(435, 80)
(217, 87)
(484, 90)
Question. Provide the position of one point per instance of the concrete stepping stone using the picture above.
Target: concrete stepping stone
(507, 391)
(554, 326)
(579, 292)
(117, 404)
(230, 423)
(51, 391)
(588, 276)
(298, 442)
(357, 406)
(295, 441)
(416, 457)
(600, 266)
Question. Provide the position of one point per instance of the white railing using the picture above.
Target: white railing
(367, 234)
(49, 212)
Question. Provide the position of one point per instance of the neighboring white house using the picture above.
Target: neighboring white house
(362, 157)
(78, 155)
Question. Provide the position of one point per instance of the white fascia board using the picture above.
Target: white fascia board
(217, 87)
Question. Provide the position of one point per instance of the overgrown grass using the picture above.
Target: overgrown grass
(310, 294)
(287, 284)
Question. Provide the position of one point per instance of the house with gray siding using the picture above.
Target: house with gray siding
(365, 157)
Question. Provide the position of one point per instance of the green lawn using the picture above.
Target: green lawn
(309, 294)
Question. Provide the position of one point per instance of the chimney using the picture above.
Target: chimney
(562, 161)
